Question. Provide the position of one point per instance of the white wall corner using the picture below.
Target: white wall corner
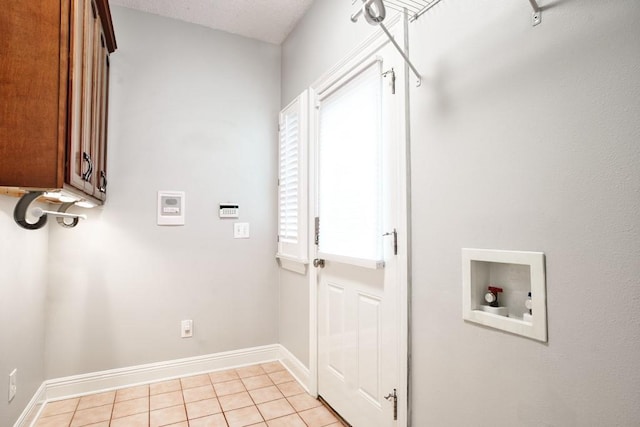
(299, 371)
(32, 410)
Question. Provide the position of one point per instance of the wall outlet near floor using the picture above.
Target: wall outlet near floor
(186, 327)
(13, 385)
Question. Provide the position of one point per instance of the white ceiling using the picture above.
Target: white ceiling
(266, 20)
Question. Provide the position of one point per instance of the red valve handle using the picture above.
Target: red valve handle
(494, 289)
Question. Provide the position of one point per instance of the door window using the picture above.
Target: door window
(350, 167)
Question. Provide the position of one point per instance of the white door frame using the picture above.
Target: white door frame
(398, 27)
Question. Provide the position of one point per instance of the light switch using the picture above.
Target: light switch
(241, 230)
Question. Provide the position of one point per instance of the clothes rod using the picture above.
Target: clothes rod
(38, 212)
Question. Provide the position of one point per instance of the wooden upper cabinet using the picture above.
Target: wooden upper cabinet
(54, 85)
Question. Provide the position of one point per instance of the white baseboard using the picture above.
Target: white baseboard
(96, 382)
(296, 367)
(31, 412)
(117, 378)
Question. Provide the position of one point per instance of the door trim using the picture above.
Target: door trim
(398, 26)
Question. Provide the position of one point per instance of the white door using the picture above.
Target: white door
(358, 208)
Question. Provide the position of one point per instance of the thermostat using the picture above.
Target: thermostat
(229, 210)
(171, 207)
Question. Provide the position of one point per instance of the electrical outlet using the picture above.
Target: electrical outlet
(13, 385)
(186, 328)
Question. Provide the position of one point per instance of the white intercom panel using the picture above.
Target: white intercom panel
(229, 210)
(171, 207)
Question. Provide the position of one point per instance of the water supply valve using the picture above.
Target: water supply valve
(492, 296)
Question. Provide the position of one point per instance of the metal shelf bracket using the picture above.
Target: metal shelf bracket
(404, 55)
(20, 213)
(536, 17)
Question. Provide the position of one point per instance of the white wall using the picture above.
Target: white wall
(523, 138)
(322, 37)
(293, 320)
(195, 110)
(23, 286)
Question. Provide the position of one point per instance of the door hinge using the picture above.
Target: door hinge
(393, 233)
(393, 397)
(393, 80)
(317, 231)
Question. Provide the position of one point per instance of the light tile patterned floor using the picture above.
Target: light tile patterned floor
(263, 395)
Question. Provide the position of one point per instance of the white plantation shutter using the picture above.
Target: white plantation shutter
(292, 179)
(289, 176)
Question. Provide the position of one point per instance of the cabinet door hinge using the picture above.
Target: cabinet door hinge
(317, 230)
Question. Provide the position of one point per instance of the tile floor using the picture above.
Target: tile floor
(263, 395)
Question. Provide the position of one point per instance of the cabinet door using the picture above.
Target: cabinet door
(34, 45)
(82, 164)
(76, 78)
(102, 96)
(94, 101)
